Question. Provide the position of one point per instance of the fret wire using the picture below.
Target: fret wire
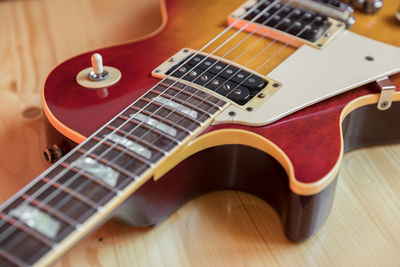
(279, 10)
(249, 11)
(187, 93)
(76, 195)
(247, 50)
(163, 120)
(109, 190)
(61, 203)
(231, 25)
(58, 187)
(70, 181)
(151, 114)
(68, 221)
(90, 177)
(85, 184)
(126, 172)
(50, 210)
(127, 176)
(126, 151)
(171, 110)
(230, 38)
(24, 229)
(138, 140)
(256, 17)
(81, 187)
(159, 133)
(23, 233)
(11, 258)
(181, 90)
(116, 167)
(179, 101)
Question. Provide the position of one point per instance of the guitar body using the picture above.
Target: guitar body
(292, 163)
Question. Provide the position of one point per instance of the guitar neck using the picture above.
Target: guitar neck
(80, 191)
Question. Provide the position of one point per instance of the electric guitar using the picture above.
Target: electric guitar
(270, 103)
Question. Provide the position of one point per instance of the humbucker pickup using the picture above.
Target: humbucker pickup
(218, 75)
(292, 24)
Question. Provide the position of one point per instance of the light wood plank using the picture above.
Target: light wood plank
(222, 228)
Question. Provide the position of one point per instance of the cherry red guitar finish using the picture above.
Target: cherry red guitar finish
(311, 138)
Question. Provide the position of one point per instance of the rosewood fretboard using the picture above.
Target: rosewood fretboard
(61, 201)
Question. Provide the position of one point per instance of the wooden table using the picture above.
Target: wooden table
(222, 228)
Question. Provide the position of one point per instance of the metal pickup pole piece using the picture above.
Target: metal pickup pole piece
(387, 93)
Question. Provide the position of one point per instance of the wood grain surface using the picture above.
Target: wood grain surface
(218, 229)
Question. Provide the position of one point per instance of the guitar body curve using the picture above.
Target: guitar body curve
(292, 163)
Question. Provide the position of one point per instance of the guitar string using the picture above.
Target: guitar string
(6, 233)
(231, 90)
(275, 40)
(81, 187)
(264, 49)
(276, 53)
(116, 157)
(216, 75)
(253, 72)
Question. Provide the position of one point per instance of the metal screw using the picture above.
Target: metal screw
(384, 104)
(185, 50)
(249, 109)
(319, 45)
(172, 59)
(328, 34)
(157, 71)
(369, 58)
(275, 85)
(232, 113)
(261, 95)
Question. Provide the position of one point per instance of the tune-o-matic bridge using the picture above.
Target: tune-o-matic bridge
(219, 75)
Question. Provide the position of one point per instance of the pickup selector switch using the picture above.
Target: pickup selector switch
(98, 76)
